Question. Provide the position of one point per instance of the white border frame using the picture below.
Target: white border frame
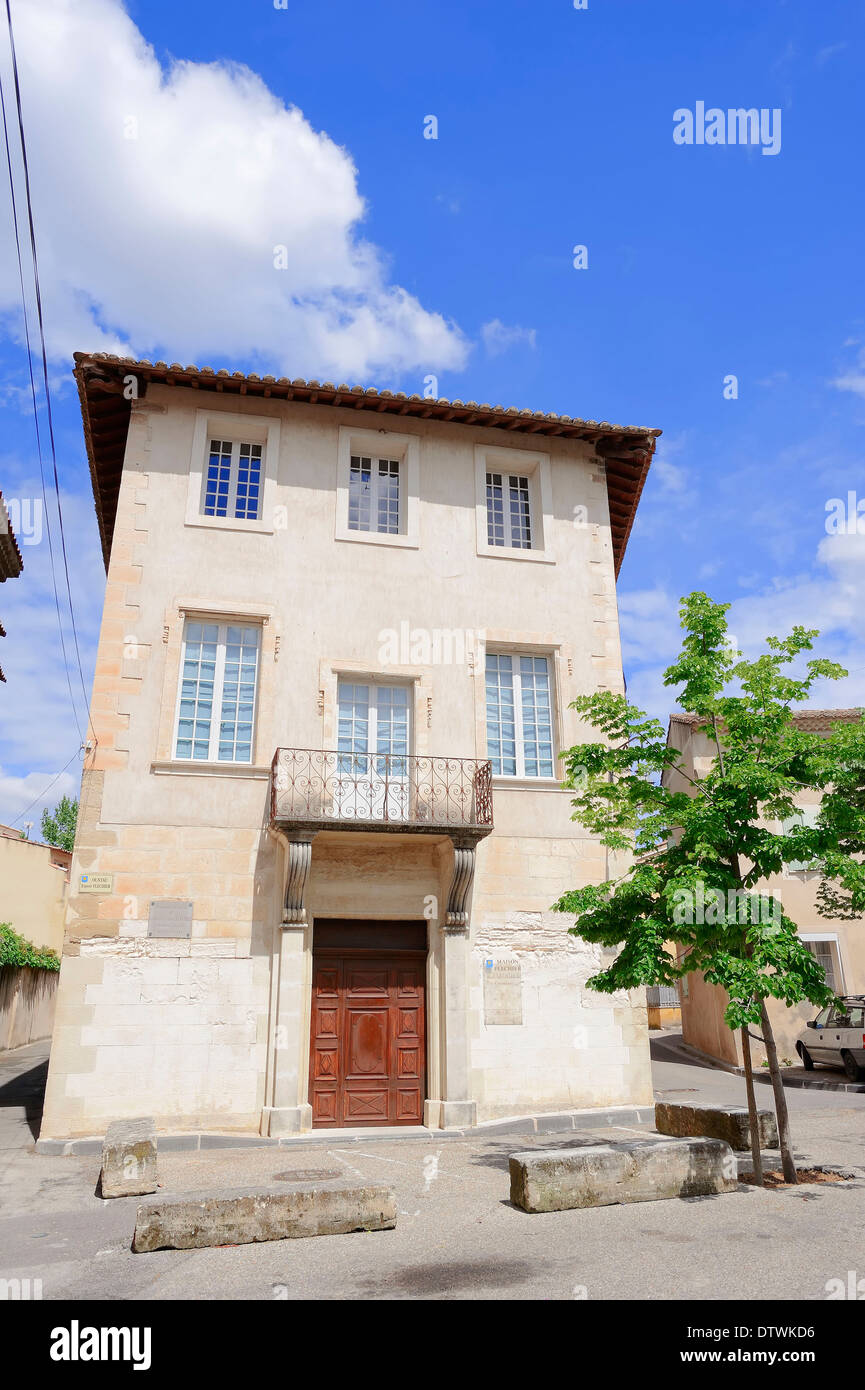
(833, 937)
(380, 444)
(496, 458)
(246, 429)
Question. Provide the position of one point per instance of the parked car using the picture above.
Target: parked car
(837, 1037)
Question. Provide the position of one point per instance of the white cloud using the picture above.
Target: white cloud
(23, 799)
(39, 728)
(829, 600)
(498, 337)
(854, 378)
(160, 197)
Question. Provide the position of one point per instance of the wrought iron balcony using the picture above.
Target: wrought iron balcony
(313, 789)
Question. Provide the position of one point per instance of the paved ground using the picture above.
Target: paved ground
(457, 1236)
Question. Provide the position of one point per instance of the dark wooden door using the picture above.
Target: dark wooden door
(367, 1062)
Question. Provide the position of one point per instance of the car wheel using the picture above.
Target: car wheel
(807, 1059)
(852, 1069)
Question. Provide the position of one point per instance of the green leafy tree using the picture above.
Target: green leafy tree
(700, 846)
(58, 826)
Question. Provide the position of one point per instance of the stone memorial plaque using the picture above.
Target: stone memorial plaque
(169, 917)
(503, 991)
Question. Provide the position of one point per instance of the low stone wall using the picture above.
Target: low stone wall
(27, 1002)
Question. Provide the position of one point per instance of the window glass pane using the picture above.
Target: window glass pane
(537, 721)
(196, 690)
(247, 500)
(218, 478)
(520, 518)
(501, 722)
(387, 520)
(392, 731)
(825, 954)
(238, 694)
(360, 494)
(495, 510)
(353, 726)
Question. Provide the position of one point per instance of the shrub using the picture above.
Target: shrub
(15, 950)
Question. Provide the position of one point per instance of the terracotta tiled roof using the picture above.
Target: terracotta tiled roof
(812, 720)
(11, 563)
(626, 449)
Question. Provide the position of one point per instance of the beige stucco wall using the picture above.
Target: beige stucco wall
(702, 1010)
(180, 1029)
(33, 888)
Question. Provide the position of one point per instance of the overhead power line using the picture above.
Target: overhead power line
(45, 380)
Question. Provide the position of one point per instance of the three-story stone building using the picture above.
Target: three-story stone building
(321, 819)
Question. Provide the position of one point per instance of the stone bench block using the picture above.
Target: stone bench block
(129, 1158)
(641, 1170)
(239, 1216)
(727, 1122)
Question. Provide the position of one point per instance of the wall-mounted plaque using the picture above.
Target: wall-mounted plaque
(96, 883)
(169, 917)
(503, 991)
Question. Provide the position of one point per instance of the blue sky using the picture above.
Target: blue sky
(453, 256)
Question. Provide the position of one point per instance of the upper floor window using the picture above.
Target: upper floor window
(519, 715)
(509, 511)
(216, 702)
(374, 495)
(513, 503)
(377, 487)
(233, 471)
(232, 480)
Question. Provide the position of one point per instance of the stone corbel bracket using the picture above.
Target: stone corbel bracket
(457, 917)
(298, 847)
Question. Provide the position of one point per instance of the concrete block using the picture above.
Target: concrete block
(727, 1122)
(129, 1158)
(601, 1175)
(241, 1216)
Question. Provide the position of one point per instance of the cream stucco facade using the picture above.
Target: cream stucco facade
(841, 944)
(211, 1030)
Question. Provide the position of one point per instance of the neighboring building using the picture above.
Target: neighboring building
(11, 563)
(34, 883)
(838, 945)
(322, 822)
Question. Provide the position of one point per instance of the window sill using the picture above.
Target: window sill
(229, 523)
(512, 552)
(528, 784)
(401, 541)
(189, 768)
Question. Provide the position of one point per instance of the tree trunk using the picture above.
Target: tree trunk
(787, 1162)
(756, 1156)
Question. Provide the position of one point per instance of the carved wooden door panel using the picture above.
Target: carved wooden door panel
(367, 1039)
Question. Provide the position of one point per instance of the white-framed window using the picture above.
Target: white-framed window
(377, 487)
(824, 946)
(519, 715)
(513, 503)
(232, 483)
(509, 510)
(216, 699)
(232, 472)
(374, 494)
(807, 816)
